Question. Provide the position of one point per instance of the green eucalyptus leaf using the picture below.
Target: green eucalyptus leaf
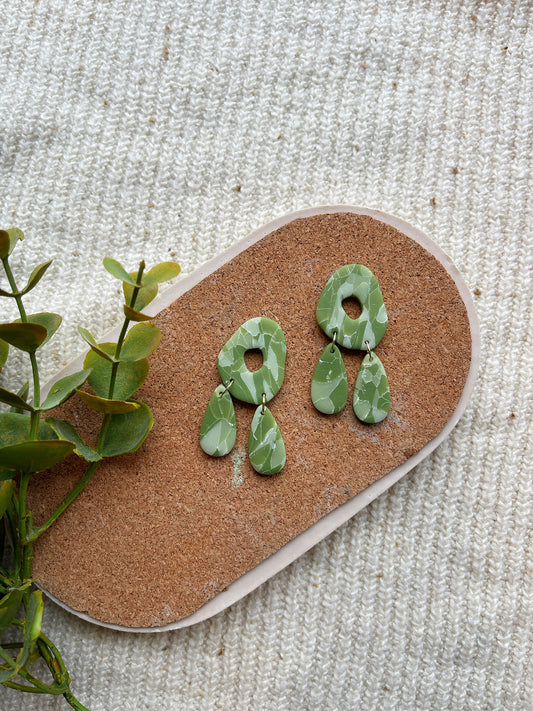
(34, 455)
(145, 295)
(14, 236)
(14, 400)
(34, 617)
(162, 272)
(4, 352)
(125, 433)
(15, 428)
(7, 489)
(66, 431)
(108, 407)
(24, 336)
(117, 270)
(5, 244)
(140, 341)
(88, 338)
(133, 315)
(9, 606)
(64, 388)
(50, 321)
(129, 377)
(36, 276)
(22, 393)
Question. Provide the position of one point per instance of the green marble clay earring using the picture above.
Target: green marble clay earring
(329, 386)
(266, 448)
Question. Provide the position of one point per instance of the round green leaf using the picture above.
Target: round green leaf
(133, 315)
(145, 295)
(49, 320)
(24, 336)
(34, 455)
(66, 431)
(129, 378)
(22, 393)
(64, 388)
(162, 272)
(140, 341)
(5, 244)
(36, 276)
(117, 270)
(88, 338)
(9, 606)
(14, 400)
(127, 432)
(108, 407)
(14, 236)
(34, 616)
(15, 428)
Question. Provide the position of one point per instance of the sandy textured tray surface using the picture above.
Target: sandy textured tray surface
(159, 533)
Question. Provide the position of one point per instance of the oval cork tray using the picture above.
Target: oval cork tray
(169, 536)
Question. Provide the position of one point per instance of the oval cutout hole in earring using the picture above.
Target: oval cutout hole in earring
(352, 307)
(253, 359)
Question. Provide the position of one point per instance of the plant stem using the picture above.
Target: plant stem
(9, 660)
(116, 362)
(73, 701)
(40, 686)
(11, 516)
(33, 359)
(13, 285)
(36, 395)
(24, 525)
(123, 332)
(39, 530)
(57, 668)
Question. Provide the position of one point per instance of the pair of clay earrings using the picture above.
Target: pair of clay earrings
(329, 385)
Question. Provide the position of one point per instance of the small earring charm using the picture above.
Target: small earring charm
(371, 395)
(218, 430)
(329, 387)
(219, 426)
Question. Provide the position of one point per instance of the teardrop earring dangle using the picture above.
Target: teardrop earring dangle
(329, 386)
(266, 448)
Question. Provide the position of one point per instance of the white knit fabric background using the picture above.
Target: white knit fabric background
(174, 127)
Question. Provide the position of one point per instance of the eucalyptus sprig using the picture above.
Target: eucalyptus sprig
(31, 441)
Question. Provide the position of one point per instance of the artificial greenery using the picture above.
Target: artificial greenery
(32, 441)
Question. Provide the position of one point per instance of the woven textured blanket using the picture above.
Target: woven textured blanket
(169, 129)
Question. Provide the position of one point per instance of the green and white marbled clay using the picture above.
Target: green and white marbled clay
(218, 430)
(329, 386)
(358, 281)
(371, 396)
(248, 386)
(266, 448)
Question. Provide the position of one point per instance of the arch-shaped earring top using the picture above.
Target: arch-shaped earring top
(358, 281)
(248, 386)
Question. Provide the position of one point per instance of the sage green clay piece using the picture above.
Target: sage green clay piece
(248, 386)
(219, 427)
(358, 281)
(371, 397)
(329, 387)
(266, 448)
